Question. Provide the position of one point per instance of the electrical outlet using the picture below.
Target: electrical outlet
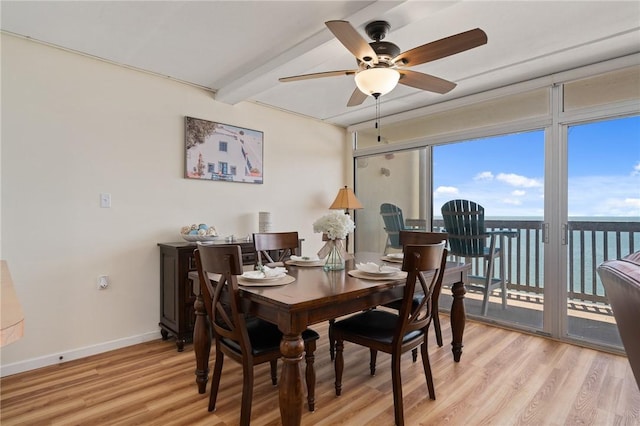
(103, 282)
(105, 200)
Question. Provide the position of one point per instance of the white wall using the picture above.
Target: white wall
(74, 127)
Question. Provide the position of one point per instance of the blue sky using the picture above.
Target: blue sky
(506, 174)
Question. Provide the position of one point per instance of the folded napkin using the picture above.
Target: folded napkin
(313, 258)
(266, 272)
(396, 255)
(374, 268)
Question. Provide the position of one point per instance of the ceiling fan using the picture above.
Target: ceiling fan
(381, 65)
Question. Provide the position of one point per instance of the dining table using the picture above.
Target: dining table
(314, 296)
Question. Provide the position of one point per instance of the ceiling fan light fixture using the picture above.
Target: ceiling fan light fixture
(377, 81)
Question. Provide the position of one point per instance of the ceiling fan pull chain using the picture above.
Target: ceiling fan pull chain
(378, 116)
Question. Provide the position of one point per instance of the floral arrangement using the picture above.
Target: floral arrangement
(337, 225)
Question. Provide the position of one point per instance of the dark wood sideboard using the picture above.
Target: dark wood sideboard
(177, 315)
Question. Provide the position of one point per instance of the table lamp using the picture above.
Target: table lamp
(346, 200)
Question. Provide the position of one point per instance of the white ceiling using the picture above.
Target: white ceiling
(240, 48)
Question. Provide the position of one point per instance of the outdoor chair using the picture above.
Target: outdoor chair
(247, 340)
(395, 334)
(394, 222)
(464, 223)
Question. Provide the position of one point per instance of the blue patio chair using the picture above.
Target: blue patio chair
(464, 222)
(393, 224)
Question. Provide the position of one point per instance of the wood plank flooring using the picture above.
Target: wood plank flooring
(504, 378)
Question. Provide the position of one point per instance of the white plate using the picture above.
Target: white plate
(287, 279)
(401, 275)
(396, 255)
(257, 276)
(391, 259)
(376, 270)
(305, 259)
(319, 262)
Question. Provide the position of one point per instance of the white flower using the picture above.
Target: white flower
(337, 225)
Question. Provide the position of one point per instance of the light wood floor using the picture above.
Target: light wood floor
(504, 378)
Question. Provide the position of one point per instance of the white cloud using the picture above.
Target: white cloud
(446, 191)
(519, 181)
(483, 176)
(512, 201)
(605, 196)
(634, 203)
(519, 193)
(636, 170)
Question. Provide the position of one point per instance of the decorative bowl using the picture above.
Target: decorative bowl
(194, 238)
(201, 232)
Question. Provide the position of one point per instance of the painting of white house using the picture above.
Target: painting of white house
(216, 151)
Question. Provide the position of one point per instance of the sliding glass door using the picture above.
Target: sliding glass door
(505, 175)
(603, 165)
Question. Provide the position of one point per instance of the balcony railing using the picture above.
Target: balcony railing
(589, 242)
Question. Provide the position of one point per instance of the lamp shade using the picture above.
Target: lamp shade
(346, 199)
(377, 81)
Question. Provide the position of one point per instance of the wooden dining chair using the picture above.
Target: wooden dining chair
(273, 248)
(420, 238)
(381, 330)
(247, 340)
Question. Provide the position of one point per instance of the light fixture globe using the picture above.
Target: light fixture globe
(377, 81)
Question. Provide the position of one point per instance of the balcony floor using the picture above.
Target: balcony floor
(586, 321)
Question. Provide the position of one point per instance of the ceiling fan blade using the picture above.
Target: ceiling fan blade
(442, 48)
(425, 81)
(352, 40)
(317, 75)
(357, 97)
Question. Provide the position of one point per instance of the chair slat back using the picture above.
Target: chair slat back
(224, 303)
(464, 222)
(419, 237)
(284, 243)
(423, 264)
(393, 222)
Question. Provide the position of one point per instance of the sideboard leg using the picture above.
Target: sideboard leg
(201, 343)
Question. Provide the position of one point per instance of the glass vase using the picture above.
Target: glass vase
(335, 259)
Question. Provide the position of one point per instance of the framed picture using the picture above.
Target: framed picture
(217, 151)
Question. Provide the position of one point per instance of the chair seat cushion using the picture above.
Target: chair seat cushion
(375, 324)
(397, 304)
(265, 337)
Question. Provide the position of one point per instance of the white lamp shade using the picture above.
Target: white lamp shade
(378, 81)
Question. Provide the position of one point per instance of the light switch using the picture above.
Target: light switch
(105, 200)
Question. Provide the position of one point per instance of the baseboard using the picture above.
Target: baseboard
(59, 358)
